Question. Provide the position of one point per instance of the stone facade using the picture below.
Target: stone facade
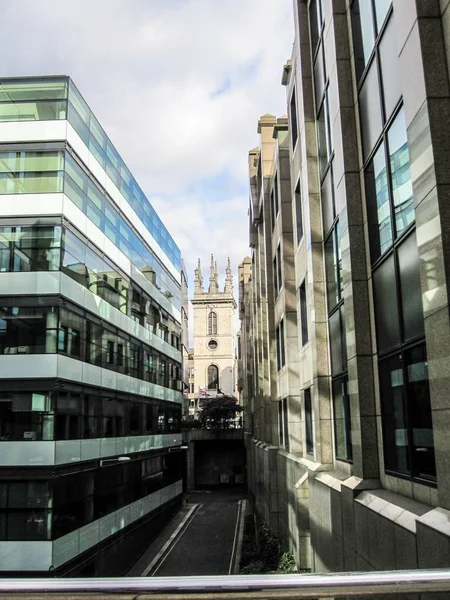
(214, 352)
(346, 409)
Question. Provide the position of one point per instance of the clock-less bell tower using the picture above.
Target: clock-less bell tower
(214, 334)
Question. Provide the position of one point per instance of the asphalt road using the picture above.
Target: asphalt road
(205, 546)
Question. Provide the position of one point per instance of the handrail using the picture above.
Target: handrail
(240, 587)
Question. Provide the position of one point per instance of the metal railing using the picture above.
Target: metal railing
(236, 587)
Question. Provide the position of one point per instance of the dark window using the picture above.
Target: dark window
(110, 352)
(385, 295)
(280, 424)
(337, 342)
(275, 278)
(389, 67)
(298, 213)
(303, 313)
(280, 268)
(410, 290)
(342, 420)
(286, 423)
(370, 110)
(377, 199)
(309, 423)
(293, 119)
(281, 354)
(213, 377)
(363, 33)
(327, 197)
(407, 423)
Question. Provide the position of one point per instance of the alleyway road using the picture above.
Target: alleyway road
(201, 541)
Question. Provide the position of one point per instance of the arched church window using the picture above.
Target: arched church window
(212, 323)
(213, 377)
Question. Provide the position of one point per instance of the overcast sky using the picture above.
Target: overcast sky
(178, 85)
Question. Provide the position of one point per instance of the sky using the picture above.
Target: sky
(179, 86)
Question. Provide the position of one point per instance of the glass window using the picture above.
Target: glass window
(213, 377)
(212, 323)
(327, 194)
(385, 294)
(377, 199)
(298, 213)
(322, 125)
(303, 313)
(33, 89)
(279, 265)
(370, 109)
(381, 10)
(342, 420)
(309, 431)
(337, 342)
(363, 32)
(319, 75)
(402, 194)
(331, 271)
(293, 118)
(314, 24)
(389, 64)
(411, 292)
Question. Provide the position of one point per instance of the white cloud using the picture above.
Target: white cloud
(151, 70)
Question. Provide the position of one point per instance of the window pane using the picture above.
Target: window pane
(363, 33)
(319, 75)
(411, 293)
(322, 137)
(386, 307)
(395, 432)
(331, 271)
(42, 110)
(327, 193)
(338, 363)
(390, 74)
(370, 109)
(304, 314)
(377, 197)
(400, 173)
(298, 213)
(293, 119)
(381, 9)
(33, 90)
(342, 421)
(314, 24)
(419, 412)
(309, 423)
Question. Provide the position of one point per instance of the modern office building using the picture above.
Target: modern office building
(90, 354)
(346, 312)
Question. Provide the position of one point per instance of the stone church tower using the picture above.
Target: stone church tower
(214, 333)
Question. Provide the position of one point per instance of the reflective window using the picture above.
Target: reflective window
(402, 194)
(309, 431)
(31, 172)
(407, 423)
(327, 197)
(377, 199)
(411, 292)
(342, 420)
(385, 294)
(363, 33)
(370, 110)
(337, 342)
(381, 10)
(58, 98)
(298, 213)
(389, 66)
(319, 74)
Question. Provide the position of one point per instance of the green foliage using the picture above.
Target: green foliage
(286, 563)
(264, 554)
(219, 412)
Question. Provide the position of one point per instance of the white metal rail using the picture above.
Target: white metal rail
(236, 587)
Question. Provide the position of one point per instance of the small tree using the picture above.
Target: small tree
(219, 412)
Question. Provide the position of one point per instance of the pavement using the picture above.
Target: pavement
(203, 538)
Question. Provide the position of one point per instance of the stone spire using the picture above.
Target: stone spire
(213, 284)
(228, 279)
(198, 279)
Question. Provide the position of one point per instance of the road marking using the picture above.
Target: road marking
(237, 541)
(170, 541)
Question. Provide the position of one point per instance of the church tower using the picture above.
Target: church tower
(214, 333)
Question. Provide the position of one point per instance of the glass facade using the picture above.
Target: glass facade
(82, 413)
(403, 368)
(48, 509)
(58, 98)
(54, 248)
(47, 172)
